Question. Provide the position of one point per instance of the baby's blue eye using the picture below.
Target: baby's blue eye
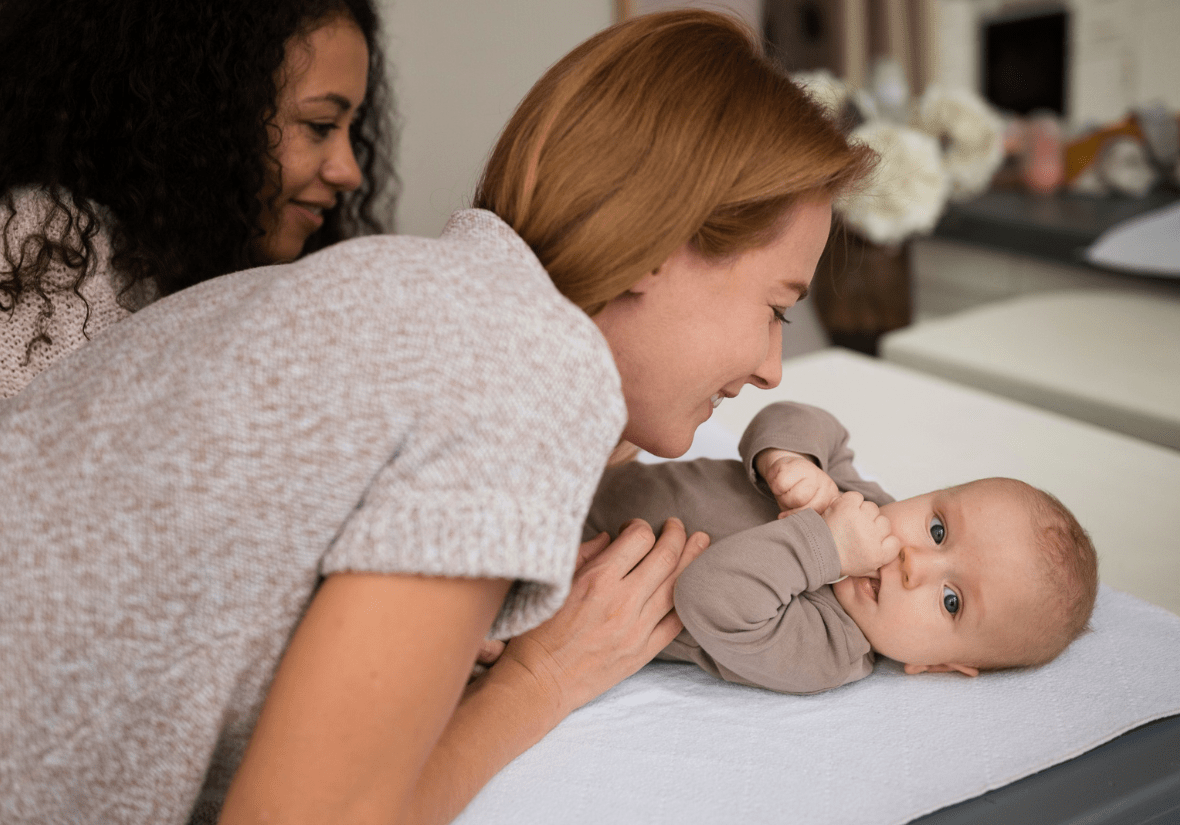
(937, 530)
(950, 600)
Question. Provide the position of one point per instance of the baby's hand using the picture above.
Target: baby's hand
(796, 483)
(863, 536)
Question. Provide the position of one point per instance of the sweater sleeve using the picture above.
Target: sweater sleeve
(757, 604)
(506, 404)
(810, 431)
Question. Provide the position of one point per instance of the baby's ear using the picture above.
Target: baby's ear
(966, 670)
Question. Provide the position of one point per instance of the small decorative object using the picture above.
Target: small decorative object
(1126, 167)
(1042, 164)
(1126, 158)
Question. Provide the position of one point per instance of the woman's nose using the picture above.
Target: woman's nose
(770, 372)
(340, 169)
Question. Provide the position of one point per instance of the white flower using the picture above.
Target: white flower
(906, 192)
(824, 88)
(972, 136)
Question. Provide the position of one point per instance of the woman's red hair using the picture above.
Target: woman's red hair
(662, 130)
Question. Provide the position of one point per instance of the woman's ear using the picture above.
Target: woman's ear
(966, 670)
(645, 283)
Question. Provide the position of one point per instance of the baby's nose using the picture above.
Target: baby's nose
(912, 566)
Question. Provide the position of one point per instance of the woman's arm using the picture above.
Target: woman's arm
(617, 618)
(364, 720)
(364, 690)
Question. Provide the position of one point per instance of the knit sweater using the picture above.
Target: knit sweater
(176, 490)
(57, 322)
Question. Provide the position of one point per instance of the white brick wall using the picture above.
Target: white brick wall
(1124, 52)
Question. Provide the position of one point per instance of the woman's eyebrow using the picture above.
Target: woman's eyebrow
(800, 288)
(340, 100)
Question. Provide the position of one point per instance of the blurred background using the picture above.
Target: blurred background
(1028, 148)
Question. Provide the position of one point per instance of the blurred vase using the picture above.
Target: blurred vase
(862, 290)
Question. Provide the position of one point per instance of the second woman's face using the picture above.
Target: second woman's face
(325, 76)
(695, 331)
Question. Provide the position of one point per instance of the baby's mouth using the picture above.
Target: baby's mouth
(875, 584)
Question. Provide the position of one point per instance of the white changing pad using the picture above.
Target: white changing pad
(675, 745)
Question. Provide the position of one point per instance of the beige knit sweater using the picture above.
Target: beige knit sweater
(175, 490)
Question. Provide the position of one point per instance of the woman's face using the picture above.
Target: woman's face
(324, 81)
(694, 331)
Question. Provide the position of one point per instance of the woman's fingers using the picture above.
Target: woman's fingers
(634, 541)
(590, 549)
(661, 600)
(489, 651)
(665, 631)
(657, 564)
(617, 617)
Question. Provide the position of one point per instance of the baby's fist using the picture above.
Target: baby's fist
(863, 535)
(796, 482)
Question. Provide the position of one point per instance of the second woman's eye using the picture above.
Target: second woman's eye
(937, 529)
(321, 130)
(950, 600)
(780, 315)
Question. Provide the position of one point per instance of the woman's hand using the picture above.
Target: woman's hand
(618, 616)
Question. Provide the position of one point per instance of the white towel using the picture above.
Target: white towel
(674, 745)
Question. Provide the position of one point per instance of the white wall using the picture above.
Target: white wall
(459, 68)
(1126, 55)
(1122, 53)
(748, 10)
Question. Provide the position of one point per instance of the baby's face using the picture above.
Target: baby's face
(964, 585)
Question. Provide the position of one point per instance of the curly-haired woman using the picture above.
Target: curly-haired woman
(146, 147)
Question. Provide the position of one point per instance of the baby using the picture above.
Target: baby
(807, 579)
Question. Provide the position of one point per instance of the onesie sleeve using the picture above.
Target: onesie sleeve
(706, 494)
(757, 604)
(810, 431)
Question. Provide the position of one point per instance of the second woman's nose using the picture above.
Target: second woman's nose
(341, 169)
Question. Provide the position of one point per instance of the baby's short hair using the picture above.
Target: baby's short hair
(1068, 567)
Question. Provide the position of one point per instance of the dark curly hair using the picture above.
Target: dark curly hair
(163, 114)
